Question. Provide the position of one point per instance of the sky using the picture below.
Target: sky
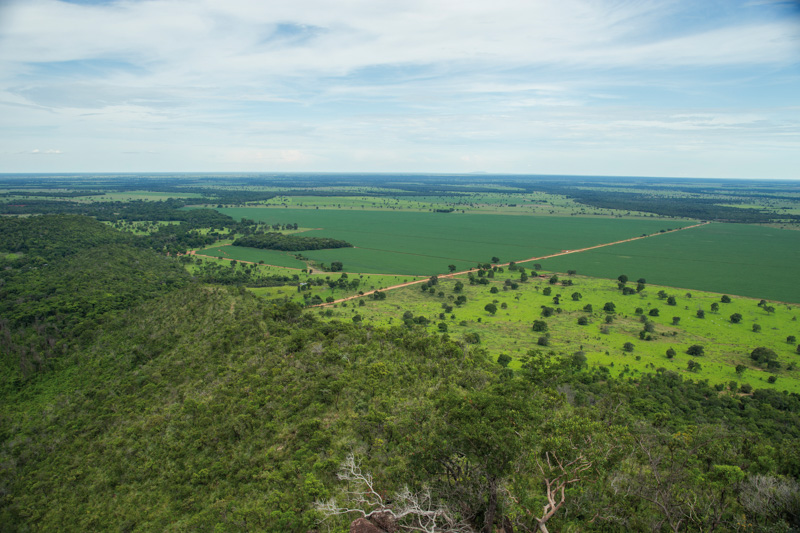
(583, 87)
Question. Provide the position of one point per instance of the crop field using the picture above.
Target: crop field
(755, 261)
(426, 243)
(254, 255)
(509, 331)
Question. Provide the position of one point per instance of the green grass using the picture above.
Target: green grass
(426, 243)
(755, 261)
(509, 331)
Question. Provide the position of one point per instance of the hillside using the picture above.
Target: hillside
(205, 408)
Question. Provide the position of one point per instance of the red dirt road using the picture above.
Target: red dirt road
(565, 252)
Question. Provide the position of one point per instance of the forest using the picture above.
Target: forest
(148, 391)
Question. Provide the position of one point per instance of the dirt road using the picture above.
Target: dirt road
(563, 252)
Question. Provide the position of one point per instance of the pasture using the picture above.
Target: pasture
(415, 243)
(510, 331)
(755, 261)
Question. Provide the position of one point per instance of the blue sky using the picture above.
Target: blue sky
(649, 88)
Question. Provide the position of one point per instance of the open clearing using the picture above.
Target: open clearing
(509, 330)
(426, 243)
(755, 261)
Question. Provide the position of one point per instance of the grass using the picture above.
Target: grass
(509, 331)
(755, 261)
(426, 243)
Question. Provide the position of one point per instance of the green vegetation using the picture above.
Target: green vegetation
(289, 243)
(147, 389)
(426, 243)
(755, 261)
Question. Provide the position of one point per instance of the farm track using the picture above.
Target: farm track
(463, 272)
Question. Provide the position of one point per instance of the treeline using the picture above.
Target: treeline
(289, 243)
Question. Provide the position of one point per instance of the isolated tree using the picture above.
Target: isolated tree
(547, 311)
(539, 325)
(582, 321)
(458, 287)
(452, 268)
(609, 307)
(725, 299)
(503, 359)
(547, 291)
(495, 259)
(693, 366)
(491, 308)
(576, 296)
(653, 312)
(740, 370)
(628, 347)
(640, 287)
(671, 301)
(756, 328)
(553, 279)
(736, 318)
(336, 266)
(714, 307)
(701, 313)
(791, 339)
(523, 277)
(571, 272)
(670, 353)
(443, 327)
(622, 279)
(461, 300)
(494, 290)
(696, 350)
(676, 320)
(537, 266)
(588, 308)
(763, 355)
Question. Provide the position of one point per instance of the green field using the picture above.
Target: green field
(254, 255)
(509, 330)
(755, 261)
(426, 243)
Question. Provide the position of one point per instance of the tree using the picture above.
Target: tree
(537, 266)
(740, 370)
(576, 296)
(609, 307)
(571, 272)
(696, 350)
(670, 353)
(640, 287)
(503, 359)
(623, 279)
(676, 320)
(547, 291)
(442, 327)
(725, 299)
(588, 308)
(553, 279)
(693, 366)
(539, 325)
(336, 266)
(653, 312)
(461, 300)
(491, 308)
(701, 313)
(756, 328)
(547, 311)
(458, 287)
(582, 321)
(671, 301)
(762, 355)
(628, 347)
(452, 268)
(714, 307)
(791, 339)
(495, 259)
(736, 318)
(494, 290)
